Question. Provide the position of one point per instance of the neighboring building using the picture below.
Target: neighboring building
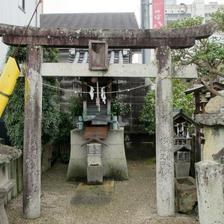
(102, 21)
(175, 12)
(17, 12)
(170, 2)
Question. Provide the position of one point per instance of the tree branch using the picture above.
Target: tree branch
(211, 89)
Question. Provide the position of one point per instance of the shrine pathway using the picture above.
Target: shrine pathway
(133, 201)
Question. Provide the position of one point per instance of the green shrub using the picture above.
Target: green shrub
(120, 108)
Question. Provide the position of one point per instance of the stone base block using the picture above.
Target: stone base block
(186, 195)
(210, 191)
(3, 215)
(95, 174)
(182, 169)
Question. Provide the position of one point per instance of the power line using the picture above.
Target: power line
(31, 18)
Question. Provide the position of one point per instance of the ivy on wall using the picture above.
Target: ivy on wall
(14, 114)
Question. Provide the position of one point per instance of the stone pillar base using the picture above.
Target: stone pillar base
(210, 191)
(3, 216)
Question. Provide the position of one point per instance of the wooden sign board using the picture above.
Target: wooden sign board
(98, 55)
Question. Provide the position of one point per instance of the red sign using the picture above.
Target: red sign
(157, 13)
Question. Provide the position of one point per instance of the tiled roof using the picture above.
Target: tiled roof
(90, 20)
(114, 56)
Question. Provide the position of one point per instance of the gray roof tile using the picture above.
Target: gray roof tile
(90, 20)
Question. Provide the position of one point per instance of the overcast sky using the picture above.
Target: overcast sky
(76, 6)
(70, 6)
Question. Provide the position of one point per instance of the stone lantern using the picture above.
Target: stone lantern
(7, 155)
(210, 171)
(212, 122)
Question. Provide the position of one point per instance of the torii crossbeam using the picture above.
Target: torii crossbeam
(162, 40)
(117, 38)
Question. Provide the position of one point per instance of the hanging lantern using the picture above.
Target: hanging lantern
(8, 80)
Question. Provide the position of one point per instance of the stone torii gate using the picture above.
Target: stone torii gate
(161, 40)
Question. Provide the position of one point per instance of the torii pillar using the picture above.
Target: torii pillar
(164, 135)
(162, 40)
(32, 134)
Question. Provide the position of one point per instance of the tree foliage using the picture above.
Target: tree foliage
(207, 54)
(180, 101)
(147, 114)
(14, 114)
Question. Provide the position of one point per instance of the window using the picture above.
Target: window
(22, 5)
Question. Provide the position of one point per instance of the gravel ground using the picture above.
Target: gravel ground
(133, 201)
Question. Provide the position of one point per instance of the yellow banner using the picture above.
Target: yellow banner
(8, 80)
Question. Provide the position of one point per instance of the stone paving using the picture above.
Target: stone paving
(132, 202)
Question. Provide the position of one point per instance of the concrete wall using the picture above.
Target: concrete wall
(11, 13)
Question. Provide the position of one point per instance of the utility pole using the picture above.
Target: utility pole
(145, 24)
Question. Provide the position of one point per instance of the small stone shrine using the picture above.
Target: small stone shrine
(97, 147)
(182, 143)
(185, 189)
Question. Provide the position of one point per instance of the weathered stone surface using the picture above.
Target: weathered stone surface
(219, 157)
(164, 135)
(116, 38)
(32, 135)
(214, 105)
(4, 190)
(213, 128)
(94, 163)
(186, 195)
(216, 119)
(8, 153)
(96, 195)
(95, 174)
(3, 215)
(214, 142)
(113, 157)
(182, 169)
(8, 170)
(210, 185)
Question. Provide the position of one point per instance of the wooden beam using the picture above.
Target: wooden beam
(32, 135)
(115, 70)
(62, 37)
